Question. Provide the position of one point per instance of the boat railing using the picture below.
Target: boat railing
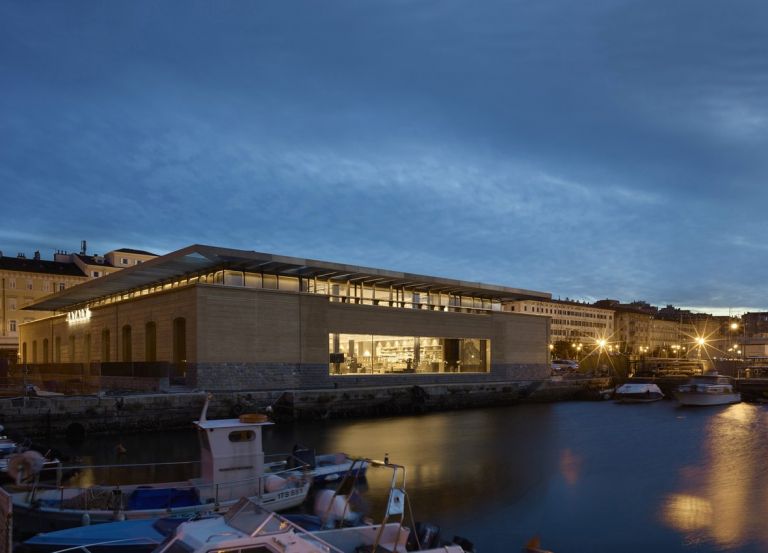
(252, 519)
(131, 471)
(124, 541)
(112, 496)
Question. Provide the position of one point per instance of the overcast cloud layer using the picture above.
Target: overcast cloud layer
(588, 149)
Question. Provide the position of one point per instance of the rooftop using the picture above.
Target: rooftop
(198, 259)
(137, 252)
(22, 264)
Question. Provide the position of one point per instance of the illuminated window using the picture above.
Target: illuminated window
(371, 354)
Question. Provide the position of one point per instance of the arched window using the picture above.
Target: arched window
(179, 340)
(127, 344)
(87, 348)
(57, 350)
(45, 350)
(71, 349)
(34, 351)
(150, 342)
(105, 346)
(24, 353)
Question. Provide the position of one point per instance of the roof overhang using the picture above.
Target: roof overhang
(198, 259)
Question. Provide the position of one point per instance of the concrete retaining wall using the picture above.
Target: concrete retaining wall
(79, 416)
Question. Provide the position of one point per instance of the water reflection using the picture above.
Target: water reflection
(570, 466)
(584, 476)
(720, 498)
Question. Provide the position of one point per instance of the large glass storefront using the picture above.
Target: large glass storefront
(377, 354)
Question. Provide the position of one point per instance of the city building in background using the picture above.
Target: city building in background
(25, 280)
(572, 322)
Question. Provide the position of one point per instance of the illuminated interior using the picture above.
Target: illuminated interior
(337, 291)
(377, 354)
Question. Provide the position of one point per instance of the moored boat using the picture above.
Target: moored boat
(708, 389)
(232, 466)
(335, 527)
(638, 392)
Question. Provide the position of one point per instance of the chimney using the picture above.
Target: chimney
(37, 255)
(21, 255)
(83, 248)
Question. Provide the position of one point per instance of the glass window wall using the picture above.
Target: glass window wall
(377, 354)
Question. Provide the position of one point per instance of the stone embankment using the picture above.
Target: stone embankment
(76, 417)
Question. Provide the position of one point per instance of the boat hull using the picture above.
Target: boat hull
(38, 517)
(700, 399)
(638, 398)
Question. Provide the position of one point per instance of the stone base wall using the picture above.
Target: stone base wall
(259, 376)
(294, 376)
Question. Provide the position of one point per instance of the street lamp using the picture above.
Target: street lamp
(700, 342)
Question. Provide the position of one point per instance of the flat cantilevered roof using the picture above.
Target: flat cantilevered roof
(198, 259)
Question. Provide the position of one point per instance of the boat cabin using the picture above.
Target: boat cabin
(231, 456)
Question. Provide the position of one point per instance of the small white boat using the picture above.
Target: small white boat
(708, 389)
(638, 392)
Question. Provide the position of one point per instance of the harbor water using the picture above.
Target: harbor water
(583, 476)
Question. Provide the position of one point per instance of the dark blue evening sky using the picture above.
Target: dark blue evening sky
(590, 149)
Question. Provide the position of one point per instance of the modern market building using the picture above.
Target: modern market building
(241, 320)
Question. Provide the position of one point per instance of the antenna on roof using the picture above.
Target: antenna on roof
(82, 247)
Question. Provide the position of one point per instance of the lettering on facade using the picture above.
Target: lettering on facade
(78, 316)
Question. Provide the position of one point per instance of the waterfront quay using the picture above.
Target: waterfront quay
(78, 416)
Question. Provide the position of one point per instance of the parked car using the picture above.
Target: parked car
(560, 366)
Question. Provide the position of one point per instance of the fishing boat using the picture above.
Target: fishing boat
(708, 389)
(638, 392)
(337, 523)
(232, 465)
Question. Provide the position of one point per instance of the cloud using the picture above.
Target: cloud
(587, 149)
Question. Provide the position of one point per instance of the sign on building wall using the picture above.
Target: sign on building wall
(78, 316)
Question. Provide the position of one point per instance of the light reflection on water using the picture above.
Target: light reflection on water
(583, 476)
(723, 494)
